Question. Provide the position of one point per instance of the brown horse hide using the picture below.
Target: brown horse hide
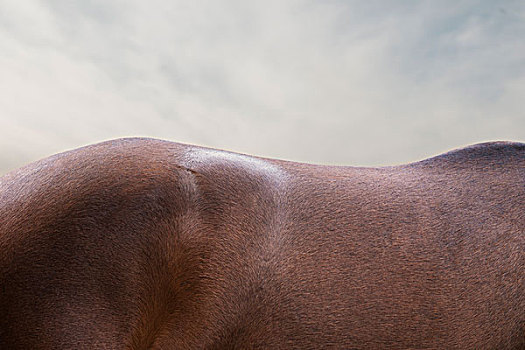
(148, 244)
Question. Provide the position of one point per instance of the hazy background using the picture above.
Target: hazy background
(334, 82)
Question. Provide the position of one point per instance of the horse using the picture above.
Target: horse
(141, 243)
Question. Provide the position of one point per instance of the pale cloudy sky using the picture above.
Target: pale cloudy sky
(334, 82)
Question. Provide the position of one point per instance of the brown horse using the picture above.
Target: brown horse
(148, 244)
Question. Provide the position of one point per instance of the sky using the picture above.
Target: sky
(333, 82)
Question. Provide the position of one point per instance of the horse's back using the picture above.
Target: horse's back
(141, 243)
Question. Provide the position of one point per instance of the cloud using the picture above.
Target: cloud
(345, 82)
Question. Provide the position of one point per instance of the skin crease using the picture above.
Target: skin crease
(148, 244)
